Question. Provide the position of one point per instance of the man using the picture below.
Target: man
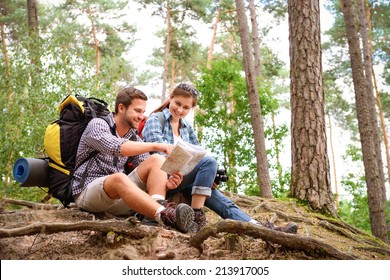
(106, 188)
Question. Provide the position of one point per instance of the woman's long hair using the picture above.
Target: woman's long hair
(180, 90)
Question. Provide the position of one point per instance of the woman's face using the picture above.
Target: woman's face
(180, 106)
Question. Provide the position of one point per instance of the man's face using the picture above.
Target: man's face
(134, 114)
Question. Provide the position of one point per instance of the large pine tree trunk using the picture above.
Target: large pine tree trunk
(310, 178)
(254, 104)
(367, 124)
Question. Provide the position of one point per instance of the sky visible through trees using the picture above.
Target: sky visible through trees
(277, 40)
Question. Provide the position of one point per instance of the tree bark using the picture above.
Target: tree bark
(367, 59)
(309, 245)
(377, 95)
(310, 178)
(215, 27)
(254, 104)
(255, 40)
(167, 52)
(367, 124)
(336, 197)
(95, 44)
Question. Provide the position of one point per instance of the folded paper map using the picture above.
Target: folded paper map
(184, 157)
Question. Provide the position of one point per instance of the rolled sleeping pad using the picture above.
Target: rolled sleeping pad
(31, 172)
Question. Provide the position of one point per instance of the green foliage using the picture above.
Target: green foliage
(43, 70)
(224, 112)
(355, 211)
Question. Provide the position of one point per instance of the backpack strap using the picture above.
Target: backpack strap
(161, 118)
(112, 126)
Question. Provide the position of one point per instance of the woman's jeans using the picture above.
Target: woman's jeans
(200, 180)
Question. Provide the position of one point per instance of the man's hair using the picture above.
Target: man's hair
(126, 96)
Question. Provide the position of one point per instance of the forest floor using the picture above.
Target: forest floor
(46, 232)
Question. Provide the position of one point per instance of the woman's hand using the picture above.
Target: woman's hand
(174, 180)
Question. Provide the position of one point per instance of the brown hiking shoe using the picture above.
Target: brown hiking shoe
(289, 228)
(199, 220)
(179, 216)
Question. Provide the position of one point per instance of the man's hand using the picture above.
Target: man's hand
(165, 148)
(174, 180)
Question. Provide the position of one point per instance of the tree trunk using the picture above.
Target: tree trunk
(310, 178)
(333, 163)
(95, 43)
(215, 27)
(377, 95)
(367, 124)
(173, 75)
(255, 40)
(254, 104)
(277, 150)
(369, 84)
(167, 50)
(7, 65)
(32, 18)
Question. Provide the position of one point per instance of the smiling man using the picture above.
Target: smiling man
(99, 182)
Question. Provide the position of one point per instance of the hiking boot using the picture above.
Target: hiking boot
(199, 220)
(290, 228)
(180, 216)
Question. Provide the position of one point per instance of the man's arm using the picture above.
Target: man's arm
(132, 148)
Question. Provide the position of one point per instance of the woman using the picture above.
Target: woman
(200, 182)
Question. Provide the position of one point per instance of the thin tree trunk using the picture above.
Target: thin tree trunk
(383, 126)
(95, 44)
(173, 75)
(367, 58)
(215, 27)
(167, 52)
(333, 162)
(32, 18)
(231, 153)
(255, 40)
(7, 65)
(377, 95)
(254, 104)
(369, 139)
(310, 176)
(277, 150)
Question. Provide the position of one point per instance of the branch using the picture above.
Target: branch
(309, 245)
(121, 227)
(32, 205)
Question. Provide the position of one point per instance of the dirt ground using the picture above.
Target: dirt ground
(68, 234)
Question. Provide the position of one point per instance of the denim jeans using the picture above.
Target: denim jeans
(200, 181)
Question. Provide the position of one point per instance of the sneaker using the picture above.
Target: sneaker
(199, 219)
(180, 216)
(290, 228)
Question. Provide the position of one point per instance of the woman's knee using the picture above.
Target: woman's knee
(210, 162)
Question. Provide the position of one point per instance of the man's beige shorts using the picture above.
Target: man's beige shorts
(94, 199)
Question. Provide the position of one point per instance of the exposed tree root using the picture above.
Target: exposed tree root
(124, 227)
(32, 205)
(309, 245)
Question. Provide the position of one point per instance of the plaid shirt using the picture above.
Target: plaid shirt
(108, 160)
(152, 130)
